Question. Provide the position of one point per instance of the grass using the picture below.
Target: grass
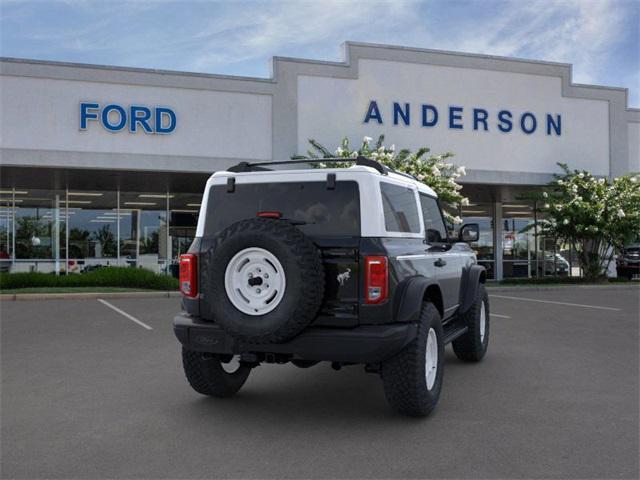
(102, 278)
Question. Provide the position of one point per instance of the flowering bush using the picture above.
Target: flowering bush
(432, 170)
(593, 214)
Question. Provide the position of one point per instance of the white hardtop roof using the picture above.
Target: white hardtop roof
(313, 173)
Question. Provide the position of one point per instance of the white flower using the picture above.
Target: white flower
(546, 205)
(565, 221)
(354, 155)
(621, 213)
(464, 202)
(634, 179)
(457, 219)
(560, 182)
(339, 151)
(558, 207)
(392, 148)
(435, 170)
(545, 194)
(461, 170)
(367, 139)
(581, 175)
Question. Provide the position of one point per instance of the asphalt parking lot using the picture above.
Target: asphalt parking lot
(88, 392)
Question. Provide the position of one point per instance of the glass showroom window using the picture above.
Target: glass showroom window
(183, 219)
(518, 240)
(6, 229)
(92, 230)
(40, 223)
(144, 229)
(482, 214)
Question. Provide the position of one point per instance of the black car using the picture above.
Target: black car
(628, 263)
(345, 265)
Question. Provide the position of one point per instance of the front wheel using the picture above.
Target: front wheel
(412, 379)
(209, 375)
(472, 346)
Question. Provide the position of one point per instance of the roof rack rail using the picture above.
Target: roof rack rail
(261, 166)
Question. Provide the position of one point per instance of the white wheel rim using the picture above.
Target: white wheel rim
(255, 281)
(232, 365)
(431, 359)
(483, 322)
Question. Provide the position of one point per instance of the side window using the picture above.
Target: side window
(434, 227)
(400, 209)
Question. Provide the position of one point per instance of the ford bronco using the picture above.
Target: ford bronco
(346, 265)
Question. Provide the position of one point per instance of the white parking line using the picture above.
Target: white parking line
(125, 314)
(557, 303)
(500, 316)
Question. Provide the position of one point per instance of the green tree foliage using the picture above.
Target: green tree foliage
(595, 215)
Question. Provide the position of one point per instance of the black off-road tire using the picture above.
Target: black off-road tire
(469, 347)
(303, 269)
(404, 376)
(207, 376)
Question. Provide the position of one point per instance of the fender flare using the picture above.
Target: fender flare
(412, 292)
(472, 276)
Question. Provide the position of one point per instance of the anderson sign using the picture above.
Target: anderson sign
(460, 118)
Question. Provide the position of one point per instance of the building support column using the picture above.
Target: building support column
(497, 240)
(56, 234)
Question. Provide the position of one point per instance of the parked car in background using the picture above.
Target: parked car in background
(554, 264)
(5, 262)
(628, 263)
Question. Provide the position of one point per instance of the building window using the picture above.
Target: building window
(93, 230)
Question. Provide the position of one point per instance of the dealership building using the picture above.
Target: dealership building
(106, 165)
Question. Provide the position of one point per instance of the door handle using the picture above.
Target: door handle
(439, 263)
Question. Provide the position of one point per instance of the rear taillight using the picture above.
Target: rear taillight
(188, 275)
(376, 279)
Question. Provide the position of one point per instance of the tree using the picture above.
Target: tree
(105, 237)
(595, 215)
(432, 170)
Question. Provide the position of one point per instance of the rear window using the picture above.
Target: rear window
(400, 209)
(320, 211)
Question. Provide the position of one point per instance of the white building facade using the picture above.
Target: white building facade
(105, 165)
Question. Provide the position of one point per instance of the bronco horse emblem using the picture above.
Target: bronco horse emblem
(344, 276)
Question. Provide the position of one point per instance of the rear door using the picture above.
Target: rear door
(447, 262)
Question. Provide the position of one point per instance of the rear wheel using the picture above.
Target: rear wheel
(412, 379)
(472, 346)
(213, 375)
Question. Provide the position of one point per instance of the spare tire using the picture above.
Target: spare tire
(263, 280)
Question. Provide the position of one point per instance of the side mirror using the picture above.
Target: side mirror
(469, 232)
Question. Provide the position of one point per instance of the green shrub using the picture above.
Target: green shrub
(103, 277)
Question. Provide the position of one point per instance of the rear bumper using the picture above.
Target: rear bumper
(364, 344)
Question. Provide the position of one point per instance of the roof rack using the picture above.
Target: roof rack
(261, 166)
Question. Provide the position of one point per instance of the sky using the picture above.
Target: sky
(601, 38)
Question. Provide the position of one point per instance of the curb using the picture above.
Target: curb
(86, 296)
(534, 288)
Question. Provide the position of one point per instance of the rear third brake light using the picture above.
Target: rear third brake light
(376, 279)
(270, 214)
(188, 275)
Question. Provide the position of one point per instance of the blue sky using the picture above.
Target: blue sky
(601, 38)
